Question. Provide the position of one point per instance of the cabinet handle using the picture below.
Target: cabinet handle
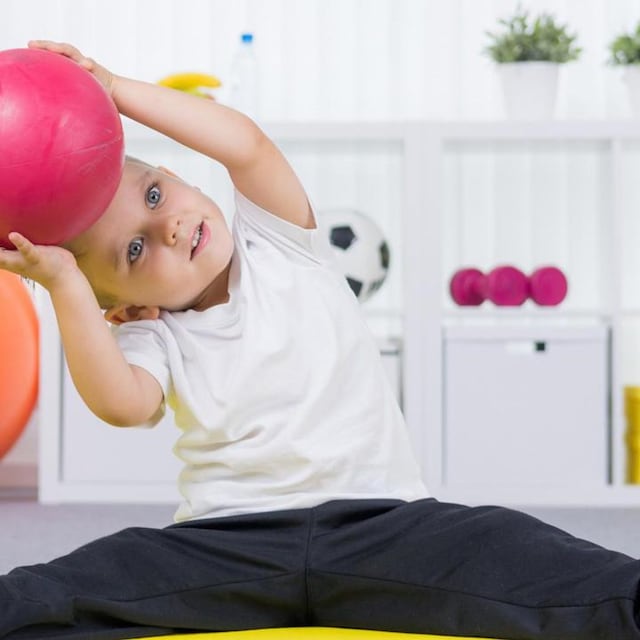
(525, 347)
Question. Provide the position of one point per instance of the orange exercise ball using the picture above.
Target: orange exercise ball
(18, 359)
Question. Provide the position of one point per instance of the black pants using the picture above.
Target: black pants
(423, 567)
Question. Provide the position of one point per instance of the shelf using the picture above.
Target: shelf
(312, 131)
(458, 131)
(527, 313)
(570, 130)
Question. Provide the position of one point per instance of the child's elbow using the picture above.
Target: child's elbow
(122, 417)
(254, 144)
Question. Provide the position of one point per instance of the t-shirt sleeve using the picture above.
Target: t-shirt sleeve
(143, 346)
(252, 219)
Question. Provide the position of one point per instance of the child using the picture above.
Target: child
(302, 502)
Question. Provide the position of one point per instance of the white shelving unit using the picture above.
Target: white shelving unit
(596, 161)
(421, 180)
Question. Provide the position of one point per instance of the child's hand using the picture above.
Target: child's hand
(105, 77)
(47, 265)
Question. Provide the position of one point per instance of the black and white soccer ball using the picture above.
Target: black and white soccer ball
(360, 248)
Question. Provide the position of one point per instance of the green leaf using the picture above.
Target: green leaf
(624, 49)
(524, 40)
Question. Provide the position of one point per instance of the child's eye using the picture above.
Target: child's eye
(135, 250)
(153, 195)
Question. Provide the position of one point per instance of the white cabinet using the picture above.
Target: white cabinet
(528, 194)
(526, 406)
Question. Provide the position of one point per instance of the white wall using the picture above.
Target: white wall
(335, 58)
(329, 59)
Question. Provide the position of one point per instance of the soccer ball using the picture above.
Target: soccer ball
(360, 249)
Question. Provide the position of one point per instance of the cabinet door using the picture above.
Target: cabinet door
(94, 452)
(525, 412)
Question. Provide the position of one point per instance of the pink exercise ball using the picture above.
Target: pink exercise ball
(61, 147)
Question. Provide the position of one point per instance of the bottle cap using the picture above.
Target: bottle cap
(247, 38)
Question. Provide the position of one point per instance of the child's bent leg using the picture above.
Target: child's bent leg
(428, 567)
(224, 574)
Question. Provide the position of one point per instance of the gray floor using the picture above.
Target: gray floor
(32, 533)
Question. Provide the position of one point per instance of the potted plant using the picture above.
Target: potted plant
(528, 53)
(624, 52)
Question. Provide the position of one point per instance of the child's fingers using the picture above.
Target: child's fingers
(63, 48)
(26, 248)
(69, 51)
(12, 260)
(49, 45)
(18, 240)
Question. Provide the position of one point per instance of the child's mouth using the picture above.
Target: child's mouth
(196, 240)
(200, 239)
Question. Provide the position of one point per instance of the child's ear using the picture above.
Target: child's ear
(128, 313)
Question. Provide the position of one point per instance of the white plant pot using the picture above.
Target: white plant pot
(631, 78)
(529, 89)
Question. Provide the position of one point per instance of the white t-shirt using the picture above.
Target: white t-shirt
(280, 393)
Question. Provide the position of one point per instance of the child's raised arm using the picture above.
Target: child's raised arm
(256, 166)
(118, 393)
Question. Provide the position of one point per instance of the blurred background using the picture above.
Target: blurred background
(336, 59)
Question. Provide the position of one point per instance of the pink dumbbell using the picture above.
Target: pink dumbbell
(504, 286)
(467, 287)
(548, 286)
(507, 286)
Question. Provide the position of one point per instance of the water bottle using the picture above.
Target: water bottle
(244, 78)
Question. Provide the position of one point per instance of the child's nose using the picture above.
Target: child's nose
(171, 229)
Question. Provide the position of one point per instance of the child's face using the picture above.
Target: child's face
(161, 243)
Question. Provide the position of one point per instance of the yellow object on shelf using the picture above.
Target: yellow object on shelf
(189, 80)
(633, 460)
(194, 82)
(632, 413)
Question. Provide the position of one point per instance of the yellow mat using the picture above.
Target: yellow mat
(311, 633)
